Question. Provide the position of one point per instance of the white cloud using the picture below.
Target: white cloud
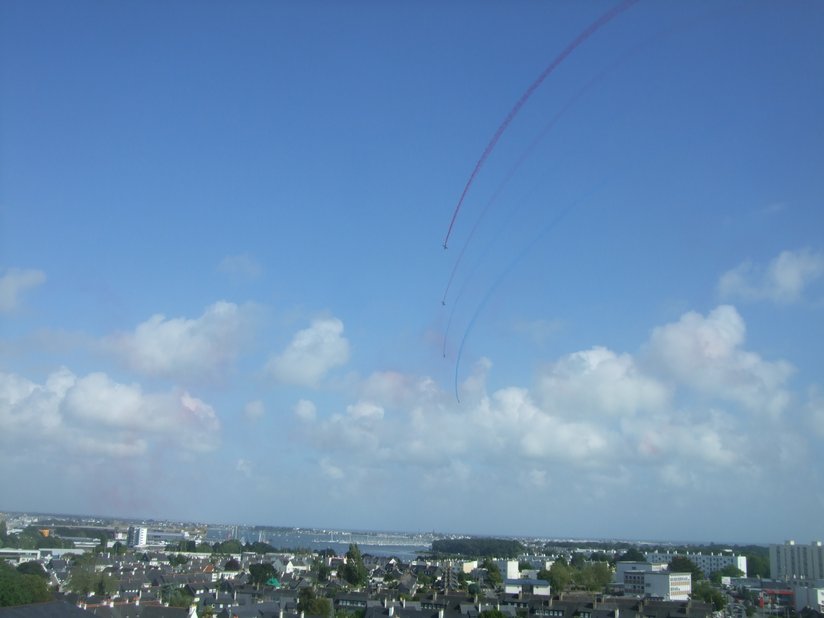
(312, 353)
(598, 381)
(96, 415)
(706, 354)
(244, 467)
(14, 283)
(241, 266)
(204, 347)
(784, 281)
(254, 410)
(330, 470)
(681, 409)
(365, 411)
(306, 411)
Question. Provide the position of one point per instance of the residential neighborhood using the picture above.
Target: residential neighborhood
(138, 571)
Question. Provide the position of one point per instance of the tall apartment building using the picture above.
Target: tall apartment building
(708, 563)
(138, 536)
(792, 562)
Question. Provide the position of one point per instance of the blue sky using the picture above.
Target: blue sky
(221, 269)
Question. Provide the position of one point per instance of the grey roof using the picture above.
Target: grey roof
(52, 609)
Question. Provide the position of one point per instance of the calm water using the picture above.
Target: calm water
(405, 547)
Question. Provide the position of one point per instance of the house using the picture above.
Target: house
(527, 586)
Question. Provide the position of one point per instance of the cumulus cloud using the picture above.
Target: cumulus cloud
(707, 354)
(598, 381)
(330, 470)
(784, 280)
(305, 410)
(241, 266)
(96, 415)
(203, 347)
(312, 353)
(681, 408)
(14, 283)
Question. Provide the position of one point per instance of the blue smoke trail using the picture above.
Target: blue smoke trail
(509, 268)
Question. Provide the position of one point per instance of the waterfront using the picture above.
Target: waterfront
(404, 546)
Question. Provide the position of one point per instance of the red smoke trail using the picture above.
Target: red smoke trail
(583, 36)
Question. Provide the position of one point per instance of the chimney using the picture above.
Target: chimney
(403, 603)
(392, 610)
(440, 613)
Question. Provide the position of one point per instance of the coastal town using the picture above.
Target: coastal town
(99, 567)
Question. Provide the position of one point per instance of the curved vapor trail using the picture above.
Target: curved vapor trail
(583, 36)
(606, 71)
(524, 252)
(511, 173)
(477, 265)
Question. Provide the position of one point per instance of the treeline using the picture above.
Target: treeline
(478, 547)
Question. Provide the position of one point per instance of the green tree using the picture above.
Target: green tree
(261, 572)
(758, 565)
(178, 560)
(232, 564)
(560, 576)
(260, 547)
(728, 571)
(81, 580)
(593, 577)
(311, 604)
(493, 572)
(704, 591)
(633, 554)
(492, 613)
(18, 588)
(32, 568)
(232, 546)
(354, 570)
(106, 584)
(324, 571)
(178, 597)
(682, 564)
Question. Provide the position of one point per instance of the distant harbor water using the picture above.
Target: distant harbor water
(404, 546)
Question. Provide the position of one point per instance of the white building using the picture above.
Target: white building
(509, 569)
(138, 536)
(708, 563)
(809, 596)
(626, 565)
(653, 580)
(538, 587)
(668, 586)
(797, 562)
